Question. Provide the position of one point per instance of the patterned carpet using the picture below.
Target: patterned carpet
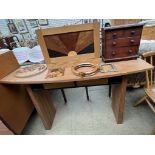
(94, 117)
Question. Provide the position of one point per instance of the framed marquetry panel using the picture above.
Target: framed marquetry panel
(69, 42)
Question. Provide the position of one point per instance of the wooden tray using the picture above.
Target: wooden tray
(30, 70)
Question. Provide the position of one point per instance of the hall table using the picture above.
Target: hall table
(42, 100)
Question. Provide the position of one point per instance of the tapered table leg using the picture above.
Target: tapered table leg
(44, 106)
(118, 99)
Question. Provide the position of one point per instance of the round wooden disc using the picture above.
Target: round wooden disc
(30, 70)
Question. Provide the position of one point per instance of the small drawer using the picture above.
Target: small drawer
(122, 42)
(121, 52)
(114, 34)
(133, 32)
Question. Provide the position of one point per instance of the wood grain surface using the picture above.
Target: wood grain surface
(5, 66)
(123, 67)
(148, 32)
(15, 104)
(15, 107)
(58, 42)
(44, 106)
(118, 99)
(4, 130)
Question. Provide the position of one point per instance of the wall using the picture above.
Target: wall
(3, 27)
(31, 31)
(51, 23)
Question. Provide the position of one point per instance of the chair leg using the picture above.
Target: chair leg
(150, 105)
(87, 93)
(109, 90)
(140, 101)
(64, 96)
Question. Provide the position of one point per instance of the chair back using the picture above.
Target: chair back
(150, 77)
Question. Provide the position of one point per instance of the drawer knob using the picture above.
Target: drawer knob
(114, 34)
(114, 43)
(113, 52)
(130, 51)
(132, 32)
(132, 41)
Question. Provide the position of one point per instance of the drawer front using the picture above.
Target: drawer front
(59, 85)
(122, 42)
(114, 34)
(121, 52)
(92, 82)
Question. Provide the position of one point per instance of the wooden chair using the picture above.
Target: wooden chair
(149, 89)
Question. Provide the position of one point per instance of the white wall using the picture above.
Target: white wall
(51, 23)
(3, 27)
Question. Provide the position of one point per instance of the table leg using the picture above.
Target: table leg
(118, 99)
(44, 106)
(153, 131)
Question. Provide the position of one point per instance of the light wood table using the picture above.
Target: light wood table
(42, 100)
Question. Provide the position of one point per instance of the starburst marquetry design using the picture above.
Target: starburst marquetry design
(61, 44)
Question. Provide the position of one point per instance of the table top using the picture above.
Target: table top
(123, 68)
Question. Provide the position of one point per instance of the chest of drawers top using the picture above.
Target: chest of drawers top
(121, 42)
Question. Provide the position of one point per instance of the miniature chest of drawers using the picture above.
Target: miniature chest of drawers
(121, 42)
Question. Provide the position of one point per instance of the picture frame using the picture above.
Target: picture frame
(43, 22)
(33, 23)
(21, 26)
(12, 27)
(26, 36)
(42, 34)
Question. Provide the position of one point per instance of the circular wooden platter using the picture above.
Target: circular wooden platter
(30, 70)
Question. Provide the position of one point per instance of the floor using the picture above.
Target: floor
(94, 117)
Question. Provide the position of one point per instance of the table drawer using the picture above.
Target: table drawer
(59, 85)
(92, 82)
(114, 34)
(121, 52)
(121, 42)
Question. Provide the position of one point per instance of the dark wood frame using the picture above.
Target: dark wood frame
(14, 27)
(66, 29)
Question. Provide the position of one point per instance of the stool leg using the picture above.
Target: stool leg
(87, 93)
(64, 96)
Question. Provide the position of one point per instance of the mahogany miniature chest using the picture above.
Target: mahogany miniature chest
(121, 42)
